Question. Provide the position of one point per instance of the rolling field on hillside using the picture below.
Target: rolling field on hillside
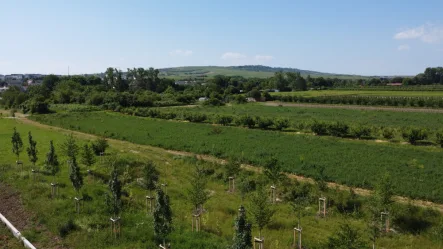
(211, 71)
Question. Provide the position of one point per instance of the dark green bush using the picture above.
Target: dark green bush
(338, 129)
(413, 135)
(319, 128)
(100, 145)
(264, 123)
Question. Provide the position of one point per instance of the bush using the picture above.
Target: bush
(100, 145)
(245, 120)
(338, 129)
(223, 119)
(66, 228)
(415, 134)
(213, 102)
(360, 131)
(319, 128)
(35, 105)
(281, 123)
(388, 133)
(264, 123)
(195, 117)
(439, 136)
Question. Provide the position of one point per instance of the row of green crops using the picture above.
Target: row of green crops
(347, 129)
(416, 171)
(382, 118)
(431, 102)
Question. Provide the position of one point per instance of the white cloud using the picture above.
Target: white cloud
(232, 56)
(428, 33)
(264, 57)
(179, 52)
(403, 47)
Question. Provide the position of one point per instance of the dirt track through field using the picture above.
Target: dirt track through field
(128, 146)
(355, 107)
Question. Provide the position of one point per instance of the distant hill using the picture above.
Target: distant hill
(247, 71)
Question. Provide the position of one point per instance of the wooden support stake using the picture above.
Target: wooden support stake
(33, 172)
(196, 222)
(297, 230)
(259, 243)
(385, 225)
(77, 204)
(53, 190)
(150, 203)
(322, 206)
(231, 182)
(164, 185)
(115, 227)
(273, 194)
(19, 164)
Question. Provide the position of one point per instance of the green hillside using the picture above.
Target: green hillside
(244, 71)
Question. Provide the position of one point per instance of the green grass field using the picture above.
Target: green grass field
(316, 93)
(432, 121)
(92, 223)
(415, 170)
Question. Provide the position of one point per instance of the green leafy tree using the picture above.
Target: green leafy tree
(383, 192)
(32, 149)
(260, 209)
(242, 235)
(232, 167)
(281, 123)
(198, 194)
(115, 186)
(150, 176)
(245, 186)
(75, 176)
(17, 144)
(87, 155)
(346, 237)
(100, 145)
(70, 147)
(51, 163)
(273, 171)
(264, 122)
(162, 217)
(299, 205)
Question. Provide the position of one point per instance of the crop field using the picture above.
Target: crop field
(91, 226)
(432, 121)
(317, 93)
(415, 170)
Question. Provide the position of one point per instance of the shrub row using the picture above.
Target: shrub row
(432, 102)
(336, 129)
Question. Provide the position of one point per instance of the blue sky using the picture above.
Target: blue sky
(354, 37)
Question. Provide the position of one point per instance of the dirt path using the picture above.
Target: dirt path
(355, 107)
(137, 147)
(12, 208)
